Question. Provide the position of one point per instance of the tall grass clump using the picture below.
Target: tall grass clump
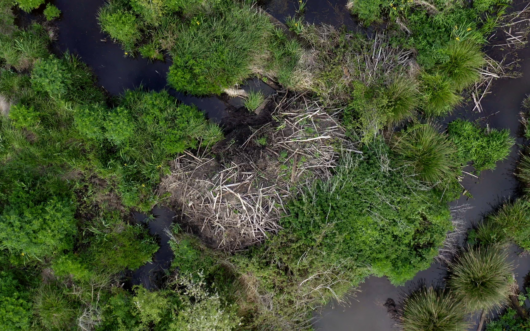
(434, 310)
(54, 309)
(216, 52)
(523, 171)
(23, 48)
(254, 100)
(480, 277)
(464, 60)
(430, 153)
(439, 97)
(402, 96)
(511, 222)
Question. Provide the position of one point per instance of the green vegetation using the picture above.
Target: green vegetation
(363, 192)
(430, 154)
(481, 278)
(484, 147)
(51, 12)
(254, 100)
(433, 309)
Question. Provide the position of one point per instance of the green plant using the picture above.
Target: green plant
(70, 264)
(439, 95)
(367, 11)
(510, 222)
(464, 60)
(213, 53)
(150, 307)
(22, 48)
(430, 153)
(295, 24)
(523, 170)
(15, 304)
(54, 309)
(402, 96)
(254, 100)
(120, 24)
(51, 12)
(510, 320)
(481, 146)
(29, 5)
(480, 277)
(434, 310)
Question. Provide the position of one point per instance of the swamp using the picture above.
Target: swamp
(264, 165)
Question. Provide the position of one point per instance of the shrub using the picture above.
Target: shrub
(483, 147)
(150, 307)
(439, 95)
(434, 310)
(54, 309)
(51, 12)
(510, 320)
(51, 76)
(430, 153)
(15, 304)
(128, 248)
(254, 100)
(23, 117)
(150, 10)
(481, 277)
(73, 265)
(34, 220)
(464, 60)
(367, 11)
(121, 25)
(397, 238)
(29, 5)
(216, 52)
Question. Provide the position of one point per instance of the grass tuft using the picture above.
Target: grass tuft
(428, 152)
(480, 277)
(434, 310)
(465, 58)
(254, 100)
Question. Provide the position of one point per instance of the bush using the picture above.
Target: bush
(367, 11)
(121, 25)
(15, 303)
(480, 277)
(29, 5)
(51, 12)
(127, 248)
(434, 310)
(73, 265)
(34, 220)
(464, 60)
(430, 153)
(216, 52)
(397, 238)
(510, 320)
(483, 147)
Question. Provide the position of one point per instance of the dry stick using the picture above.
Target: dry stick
(482, 320)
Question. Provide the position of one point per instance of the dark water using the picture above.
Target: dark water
(150, 274)
(501, 111)
(80, 34)
(332, 12)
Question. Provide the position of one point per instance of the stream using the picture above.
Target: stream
(79, 33)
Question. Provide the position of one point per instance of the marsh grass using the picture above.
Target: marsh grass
(402, 96)
(254, 100)
(430, 153)
(523, 171)
(434, 310)
(480, 277)
(215, 52)
(121, 24)
(464, 60)
(511, 222)
(55, 310)
(24, 47)
(438, 94)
